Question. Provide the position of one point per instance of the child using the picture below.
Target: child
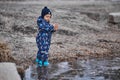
(43, 38)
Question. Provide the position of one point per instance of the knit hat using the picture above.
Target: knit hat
(45, 11)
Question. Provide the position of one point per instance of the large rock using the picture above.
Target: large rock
(114, 17)
(8, 71)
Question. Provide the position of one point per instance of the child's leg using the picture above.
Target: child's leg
(39, 54)
(39, 58)
(45, 60)
(42, 58)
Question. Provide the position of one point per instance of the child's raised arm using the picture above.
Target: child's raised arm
(42, 25)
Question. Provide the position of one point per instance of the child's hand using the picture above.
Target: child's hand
(55, 26)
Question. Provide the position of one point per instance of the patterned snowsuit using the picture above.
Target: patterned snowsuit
(43, 38)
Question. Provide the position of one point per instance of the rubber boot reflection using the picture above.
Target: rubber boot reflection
(42, 73)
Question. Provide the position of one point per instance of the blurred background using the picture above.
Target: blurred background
(85, 47)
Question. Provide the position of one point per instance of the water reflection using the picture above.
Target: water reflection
(42, 73)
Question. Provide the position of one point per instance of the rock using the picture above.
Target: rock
(114, 17)
(8, 71)
(5, 53)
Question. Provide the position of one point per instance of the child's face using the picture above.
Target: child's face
(47, 17)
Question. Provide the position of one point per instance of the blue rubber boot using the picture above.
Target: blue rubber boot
(39, 62)
(46, 63)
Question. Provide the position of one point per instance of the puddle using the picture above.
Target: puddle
(91, 69)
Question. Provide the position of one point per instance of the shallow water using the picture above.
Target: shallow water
(91, 69)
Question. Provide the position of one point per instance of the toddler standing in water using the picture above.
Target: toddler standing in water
(43, 38)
